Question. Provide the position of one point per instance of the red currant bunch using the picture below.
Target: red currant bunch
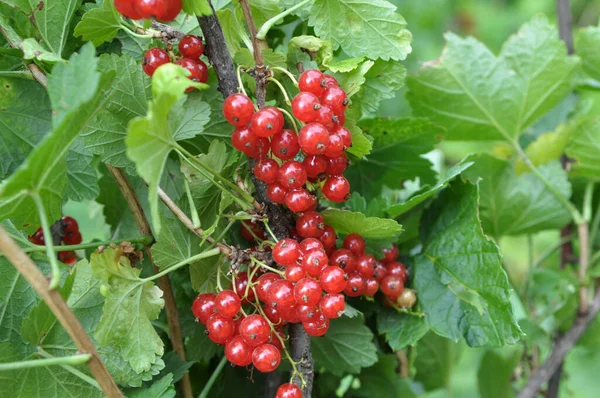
(162, 10)
(71, 236)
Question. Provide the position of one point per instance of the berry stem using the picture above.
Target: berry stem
(266, 222)
(208, 253)
(291, 118)
(134, 34)
(145, 240)
(213, 378)
(262, 33)
(284, 92)
(194, 211)
(50, 252)
(240, 83)
(405, 311)
(260, 263)
(34, 363)
(219, 287)
(288, 73)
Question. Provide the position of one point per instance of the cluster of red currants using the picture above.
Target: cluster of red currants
(323, 140)
(191, 49)
(72, 236)
(163, 10)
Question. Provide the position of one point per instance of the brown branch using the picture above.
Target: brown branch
(59, 307)
(260, 72)
(403, 364)
(163, 282)
(584, 261)
(565, 23)
(168, 31)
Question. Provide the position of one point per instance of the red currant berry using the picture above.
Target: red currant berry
(250, 230)
(397, 269)
(265, 123)
(330, 81)
(198, 70)
(150, 8)
(70, 224)
(325, 117)
(336, 166)
(380, 271)
(238, 352)
(336, 189)
(294, 273)
(67, 257)
(191, 47)
(310, 225)
(315, 165)
(266, 358)
(313, 138)
(264, 283)
(285, 144)
(355, 243)
(266, 170)
(278, 115)
(238, 109)
(308, 313)
(318, 327)
(310, 244)
(307, 292)
(286, 252)
(335, 98)
(72, 238)
(305, 106)
(314, 261)
(204, 306)
(281, 295)
(127, 9)
(365, 265)
(407, 298)
(336, 146)
(344, 259)
(290, 314)
(276, 193)
(328, 238)
(312, 81)
(292, 174)
(346, 136)
(274, 340)
(288, 390)
(220, 328)
(356, 285)
(333, 279)
(38, 237)
(390, 254)
(299, 200)
(392, 286)
(243, 139)
(154, 58)
(273, 315)
(371, 287)
(228, 303)
(169, 12)
(332, 305)
(241, 283)
(255, 330)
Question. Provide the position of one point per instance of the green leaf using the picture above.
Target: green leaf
(356, 25)
(462, 286)
(401, 208)
(382, 381)
(496, 370)
(174, 244)
(460, 90)
(511, 205)
(128, 310)
(344, 65)
(262, 10)
(189, 116)
(175, 365)
(546, 147)
(272, 58)
(583, 147)
(436, 358)
(203, 274)
(162, 388)
(381, 230)
(99, 25)
(351, 82)
(586, 40)
(83, 178)
(233, 30)
(319, 50)
(400, 329)
(34, 50)
(53, 21)
(196, 7)
(346, 347)
(361, 145)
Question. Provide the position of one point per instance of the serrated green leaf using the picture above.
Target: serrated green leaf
(174, 244)
(361, 145)
(272, 58)
(546, 147)
(400, 329)
(34, 50)
(162, 388)
(351, 82)
(99, 25)
(262, 10)
(189, 116)
(462, 287)
(346, 347)
(583, 147)
(586, 40)
(203, 274)
(319, 50)
(355, 25)
(53, 21)
(232, 30)
(496, 370)
(128, 310)
(344, 65)
(83, 178)
(511, 205)
(435, 361)
(460, 90)
(196, 7)
(372, 229)
(175, 365)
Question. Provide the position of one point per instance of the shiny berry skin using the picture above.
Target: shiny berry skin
(344, 259)
(150, 8)
(154, 58)
(67, 257)
(380, 271)
(290, 314)
(307, 292)
(198, 70)
(170, 11)
(38, 237)
(332, 305)
(310, 244)
(265, 123)
(339, 119)
(266, 358)
(336, 166)
(228, 303)
(305, 106)
(315, 165)
(397, 269)
(204, 306)
(127, 9)
(238, 109)
(333, 279)
(318, 327)
(328, 238)
(263, 284)
(299, 200)
(191, 47)
(255, 330)
(325, 117)
(308, 313)
(371, 287)
(72, 238)
(390, 254)
(241, 282)
(273, 315)
(286, 252)
(288, 390)
(346, 136)
(220, 328)
(70, 224)
(336, 189)
(285, 145)
(243, 139)
(355, 243)
(313, 138)
(274, 340)
(407, 298)
(281, 295)
(314, 261)
(276, 193)
(238, 352)
(310, 225)
(266, 170)
(392, 286)
(292, 174)
(365, 265)
(249, 229)
(335, 98)
(356, 285)
(336, 146)
(330, 81)
(312, 81)
(278, 116)
(294, 273)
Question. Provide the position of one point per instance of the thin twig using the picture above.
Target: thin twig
(59, 307)
(257, 46)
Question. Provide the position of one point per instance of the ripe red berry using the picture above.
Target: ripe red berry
(72, 238)
(241, 283)
(243, 139)
(336, 189)
(335, 98)
(273, 315)
(238, 110)
(266, 358)
(355, 243)
(365, 265)
(278, 116)
(150, 8)
(274, 340)
(281, 295)
(356, 284)
(290, 314)
(317, 328)
(314, 261)
(407, 298)
(390, 254)
(276, 193)
(263, 284)
(169, 10)
(198, 70)
(335, 148)
(265, 123)
(204, 306)
(308, 313)
(294, 273)
(380, 271)
(220, 328)
(344, 259)
(371, 287)
(255, 330)
(305, 106)
(266, 170)
(325, 117)
(285, 145)
(292, 174)
(307, 292)
(332, 305)
(310, 225)
(228, 303)
(38, 237)
(336, 166)
(312, 81)
(154, 58)
(333, 279)
(310, 244)
(397, 269)
(313, 138)
(315, 165)
(328, 238)
(299, 200)
(191, 47)
(127, 9)
(330, 81)
(70, 224)
(286, 252)
(392, 286)
(346, 136)
(238, 352)
(67, 257)
(250, 229)
(288, 390)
